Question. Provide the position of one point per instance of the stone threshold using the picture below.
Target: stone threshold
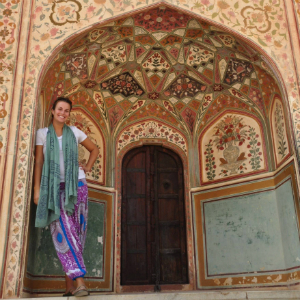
(191, 295)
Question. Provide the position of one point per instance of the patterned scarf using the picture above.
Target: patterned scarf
(48, 208)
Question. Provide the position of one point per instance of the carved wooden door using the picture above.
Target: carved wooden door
(153, 218)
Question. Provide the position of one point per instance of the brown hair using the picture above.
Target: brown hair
(64, 99)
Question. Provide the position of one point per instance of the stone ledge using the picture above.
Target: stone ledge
(193, 295)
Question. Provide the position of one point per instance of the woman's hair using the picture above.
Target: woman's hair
(64, 99)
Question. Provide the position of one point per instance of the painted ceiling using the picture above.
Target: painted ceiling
(160, 63)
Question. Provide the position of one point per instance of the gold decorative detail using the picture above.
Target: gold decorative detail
(65, 11)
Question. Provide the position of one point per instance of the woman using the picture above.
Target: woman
(60, 191)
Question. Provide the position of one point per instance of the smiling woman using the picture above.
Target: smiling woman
(60, 191)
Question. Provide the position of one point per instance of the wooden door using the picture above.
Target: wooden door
(153, 218)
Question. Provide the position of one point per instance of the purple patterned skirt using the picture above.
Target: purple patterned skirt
(69, 232)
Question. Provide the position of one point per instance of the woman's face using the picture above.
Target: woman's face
(61, 112)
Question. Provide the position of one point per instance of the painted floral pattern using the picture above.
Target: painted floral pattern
(124, 84)
(151, 130)
(156, 63)
(197, 55)
(280, 128)
(159, 19)
(184, 86)
(65, 12)
(116, 53)
(77, 65)
(237, 71)
(230, 130)
(236, 148)
(281, 147)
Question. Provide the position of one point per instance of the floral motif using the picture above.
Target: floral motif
(117, 53)
(151, 129)
(123, 84)
(115, 114)
(237, 71)
(189, 116)
(255, 150)
(161, 19)
(280, 130)
(77, 65)
(194, 33)
(153, 96)
(197, 55)
(236, 146)
(256, 18)
(171, 40)
(125, 31)
(184, 86)
(156, 63)
(145, 40)
(210, 164)
(90, 84)
(256, 97)
(65, 11)
(227, 40)
(230, 130)
(95, 34)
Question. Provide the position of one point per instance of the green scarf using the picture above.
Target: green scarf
(48, 208)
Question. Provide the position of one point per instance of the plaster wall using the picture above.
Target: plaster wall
(32, 31)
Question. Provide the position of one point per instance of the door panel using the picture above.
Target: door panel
(153, 218)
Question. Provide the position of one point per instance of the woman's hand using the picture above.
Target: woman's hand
(84, 168)
(36, 196)
(94, 151)
(38, 167)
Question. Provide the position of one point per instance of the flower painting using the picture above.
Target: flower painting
(232, 146)
(280, 141)
(230, 131)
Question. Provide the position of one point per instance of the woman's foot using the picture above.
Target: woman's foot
(69, 293)
(69, 287)
(81, 291)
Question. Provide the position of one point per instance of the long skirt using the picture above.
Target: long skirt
(69, 232)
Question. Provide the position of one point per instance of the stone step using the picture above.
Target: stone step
(193, 295)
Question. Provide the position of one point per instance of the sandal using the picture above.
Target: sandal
(81, 291)
(69, 293)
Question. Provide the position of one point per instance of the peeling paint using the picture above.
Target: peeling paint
(228, 281)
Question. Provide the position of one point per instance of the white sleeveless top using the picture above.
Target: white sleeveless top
(41, 138)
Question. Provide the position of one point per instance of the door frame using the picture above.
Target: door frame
(188, 217)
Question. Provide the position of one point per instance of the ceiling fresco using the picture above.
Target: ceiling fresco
(164, 64)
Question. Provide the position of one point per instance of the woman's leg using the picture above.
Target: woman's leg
(68, 234)
(69, 284)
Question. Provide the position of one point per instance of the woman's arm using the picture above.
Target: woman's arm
(38, 168)
(94, 151)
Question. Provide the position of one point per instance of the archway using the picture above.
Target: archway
(181, 73)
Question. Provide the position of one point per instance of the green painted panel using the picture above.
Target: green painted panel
(243, 234)
(42, 257)
(289, 224)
